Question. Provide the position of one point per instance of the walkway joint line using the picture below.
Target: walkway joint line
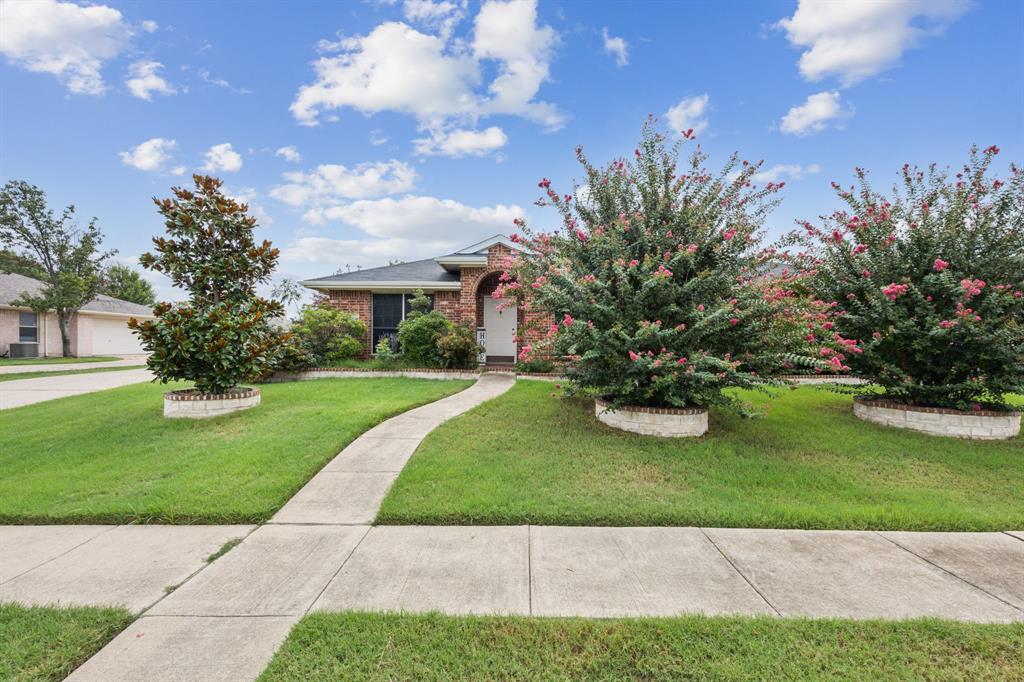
(529, 568)
(949, 572)
(54, 558)
(738, 571)
(335, 574)
(1015, 537)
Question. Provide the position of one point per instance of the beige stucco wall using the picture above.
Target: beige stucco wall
(49, 333)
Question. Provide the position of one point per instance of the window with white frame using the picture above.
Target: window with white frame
(28, 327)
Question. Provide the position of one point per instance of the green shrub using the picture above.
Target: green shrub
(458, 348)
(329, 335)
(385, 353)
(929, 280)
(535, 366)
(419, 331)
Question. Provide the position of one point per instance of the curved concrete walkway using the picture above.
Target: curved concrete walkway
(19, 392)
(319, 554)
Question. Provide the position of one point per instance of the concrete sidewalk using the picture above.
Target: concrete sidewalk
(130, 566)
(125, 361)
(19, 392)
(227, 621)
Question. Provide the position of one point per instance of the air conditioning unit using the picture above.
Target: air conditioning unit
(24, 350)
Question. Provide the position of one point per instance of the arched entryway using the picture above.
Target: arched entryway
(497, 322)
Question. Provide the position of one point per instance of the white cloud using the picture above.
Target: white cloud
(67, 40)
(331, 183)
(150, 155)
(407, 228)
(143, 80)
(508, 32)
(856, 40)
(397, 68)
(393, 68)
(222, 158)
(150, 26)
(289, 153)
(440, 16)
(616, 46)
(414, 216)
(378, 137)
(178, 170)
(457, 143)
(691, 112)
(781, 171)
(204, 74)
(814, 115)
(333, 253)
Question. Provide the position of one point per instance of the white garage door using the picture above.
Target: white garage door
(111, 336)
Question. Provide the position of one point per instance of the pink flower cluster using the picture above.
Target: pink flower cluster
(940, 265)
(662, 273)
(971, 287)
(894, 291)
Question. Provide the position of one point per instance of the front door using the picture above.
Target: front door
(500, 330)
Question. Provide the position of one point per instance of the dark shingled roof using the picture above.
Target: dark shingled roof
(12, 286)
(426, 270)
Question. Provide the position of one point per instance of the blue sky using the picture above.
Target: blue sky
(371, 131)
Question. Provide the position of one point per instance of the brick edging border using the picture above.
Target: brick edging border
(654, 410)
(190, 394)
(893, 405)
(358, 372)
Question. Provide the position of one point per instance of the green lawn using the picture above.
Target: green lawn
(8, 362)
(532, 457)
(361, 646)
(110, 457)
(89, 370)
(48, 643)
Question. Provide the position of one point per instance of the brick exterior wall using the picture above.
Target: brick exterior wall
(449, 303)
(358, 303)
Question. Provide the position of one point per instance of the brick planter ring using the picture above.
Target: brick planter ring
(190, 404)
(937, 421)
(667, 422)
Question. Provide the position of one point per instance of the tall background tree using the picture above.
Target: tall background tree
(125, 283)
(222, 335)
(69, 258)
(289, 292)
(12, 262)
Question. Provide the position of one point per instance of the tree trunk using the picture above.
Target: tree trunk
(65, 335)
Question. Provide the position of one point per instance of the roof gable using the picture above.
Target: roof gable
(483, 246)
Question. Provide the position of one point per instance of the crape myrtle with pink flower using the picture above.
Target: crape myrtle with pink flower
(660, 292)
(930, 279)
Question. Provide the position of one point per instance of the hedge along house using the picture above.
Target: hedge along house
(459, 285)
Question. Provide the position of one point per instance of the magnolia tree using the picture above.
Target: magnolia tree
(222, 335)
(660, 293)
(930, 279)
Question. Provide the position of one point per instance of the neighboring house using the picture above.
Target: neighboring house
(99, 328)
(459, 285)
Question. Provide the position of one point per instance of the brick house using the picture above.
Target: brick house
(459, 285)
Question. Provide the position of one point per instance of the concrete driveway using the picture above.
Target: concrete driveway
(28, 391)
(124, 361)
